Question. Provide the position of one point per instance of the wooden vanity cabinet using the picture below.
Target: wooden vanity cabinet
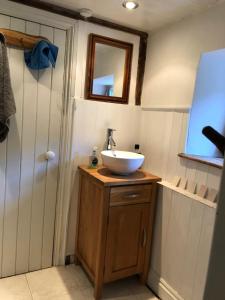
(114, 227)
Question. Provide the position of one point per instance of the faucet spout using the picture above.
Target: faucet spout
(112, 142)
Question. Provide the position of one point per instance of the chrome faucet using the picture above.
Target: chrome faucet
(110, 141)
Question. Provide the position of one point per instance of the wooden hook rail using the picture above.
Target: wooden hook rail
(19, 39)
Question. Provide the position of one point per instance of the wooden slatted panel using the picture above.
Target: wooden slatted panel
(188, 265)
(159, 249)
(177, 235)
(204, 248)
(27, 163)
(174, 146)
(53, 145)
(4, 22)
(13, 162)
(28, 181)
(182, 164)
(40, 167)
(180, 256)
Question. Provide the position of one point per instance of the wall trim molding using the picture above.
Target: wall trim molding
(66, 161)
(73, 14)
(161, 287)
(169, 108)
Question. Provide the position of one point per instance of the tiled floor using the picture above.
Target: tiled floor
(67, 283)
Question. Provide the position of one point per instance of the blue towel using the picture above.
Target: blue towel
(42, 56)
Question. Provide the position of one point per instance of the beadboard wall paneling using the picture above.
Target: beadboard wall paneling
(181, 246)
(163, 136)
(183, 227)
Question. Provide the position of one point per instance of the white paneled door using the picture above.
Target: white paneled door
(28, 182)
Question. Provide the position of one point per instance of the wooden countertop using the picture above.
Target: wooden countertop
(104, 176)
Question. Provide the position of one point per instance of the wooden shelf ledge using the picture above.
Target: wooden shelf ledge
(210, 161)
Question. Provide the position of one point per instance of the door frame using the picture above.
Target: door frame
(65, 158)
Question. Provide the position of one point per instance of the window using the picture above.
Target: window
(208, 108)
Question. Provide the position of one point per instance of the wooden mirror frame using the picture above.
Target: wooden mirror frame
(93, 40)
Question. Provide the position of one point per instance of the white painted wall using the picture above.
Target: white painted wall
(174, 53)
(178, 267)
(84, 29)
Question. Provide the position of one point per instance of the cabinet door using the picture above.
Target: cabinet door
(126, 240)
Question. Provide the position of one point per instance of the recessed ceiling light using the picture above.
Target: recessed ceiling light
(130, 4)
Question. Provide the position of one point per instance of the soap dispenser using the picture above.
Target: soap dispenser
(93, 158)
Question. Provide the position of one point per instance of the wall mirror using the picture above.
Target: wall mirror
(108, 69)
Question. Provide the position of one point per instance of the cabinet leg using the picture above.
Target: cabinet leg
(143, 278)
(98, 291)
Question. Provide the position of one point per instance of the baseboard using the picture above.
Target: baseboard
(162, 288)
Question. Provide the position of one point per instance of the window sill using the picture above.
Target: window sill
(210, 161)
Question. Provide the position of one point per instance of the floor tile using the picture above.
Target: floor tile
(126, 289)
(141, 292)
(68, 283)
(15, 288)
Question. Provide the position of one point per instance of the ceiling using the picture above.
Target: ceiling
(150, 15)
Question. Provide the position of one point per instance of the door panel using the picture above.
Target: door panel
(126, 240)
(28, 182)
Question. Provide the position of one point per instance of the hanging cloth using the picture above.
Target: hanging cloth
(42, 56)
(7, 102)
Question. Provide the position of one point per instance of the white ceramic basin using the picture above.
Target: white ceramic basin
(122, 162)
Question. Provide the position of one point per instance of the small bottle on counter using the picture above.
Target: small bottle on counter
(93, 159)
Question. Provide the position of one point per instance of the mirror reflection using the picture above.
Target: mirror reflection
(108, 70)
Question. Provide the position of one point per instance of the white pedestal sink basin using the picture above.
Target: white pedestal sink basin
(122, 162)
